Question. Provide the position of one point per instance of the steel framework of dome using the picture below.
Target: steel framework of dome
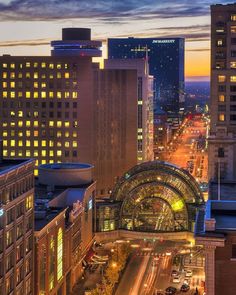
(157, 196)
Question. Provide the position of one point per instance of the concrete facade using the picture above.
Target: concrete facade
(222, 138)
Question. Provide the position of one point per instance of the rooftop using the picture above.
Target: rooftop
(8, 164)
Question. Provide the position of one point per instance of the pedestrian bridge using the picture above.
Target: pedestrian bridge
(152, 197)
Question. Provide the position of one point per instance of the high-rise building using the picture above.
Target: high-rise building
(222, 139)
(166, 64)
(144, 104)
(63, 108)
(16, 226)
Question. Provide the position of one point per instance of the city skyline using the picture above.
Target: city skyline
(38, 23)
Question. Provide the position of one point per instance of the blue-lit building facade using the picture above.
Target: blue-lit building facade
(166, 65)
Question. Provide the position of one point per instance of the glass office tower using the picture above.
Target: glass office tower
(166, 64)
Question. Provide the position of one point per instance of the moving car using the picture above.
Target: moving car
(171, 291)
(184, 288)
(176, 279)
(188, 273)
(174, 273)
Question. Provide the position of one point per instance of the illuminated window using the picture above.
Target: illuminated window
(5, 153)
(59, 254)
(58, 75)
(27, 65)
(27, 143)
(67, 144)
(58, 94)
(27, 133)
(36, 143)
(233, 65)
(67, 94)
(12, 153)
(51, 123)
(43, 85)
(220, 42)
(221, 117)
(4, 142)
(20, 134)
(43, 153)
(36, 94)
(28, 153)
(59, 153)
(233, 17)
(51, 263)
(67, 134)
(51, 153)
(59, 134)
(67, 75)
(20, 114)
(20, 123)
(36, 133)
(20, 75)
(43, 94)
(36, 75)
(59, 123)
(13, 114)
(43, 162)
(35, 64)
(27, 123)
(27, 75)
(36, 114)
(51, 66)
(12, 94)
(221, 78)
(51, 76)
(4, 84)
(4, 75)
(20, 143)
(36, 123)
(51, 143)
(66, 66)
(4, 134)
(232, 78)
(12, 75)
(27, 94)
(74, 94)
(20, 94)
(29, 202)
(58, 66)
(44, 143)
(67, 124)
(4, 94)
(75, 144)
(43, 65)
(13, 142)
(4, 66)
(36, 172)
(12, 66)
(51, 94)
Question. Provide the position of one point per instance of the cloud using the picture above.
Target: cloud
(36, 42)
(103, 10)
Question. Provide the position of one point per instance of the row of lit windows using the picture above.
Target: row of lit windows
(35, 75)
(42, 94)
(36, 143)
(35, 133)
(43, 65)
(58, 124)
(38, 104)
(222, 78)
(35, 153)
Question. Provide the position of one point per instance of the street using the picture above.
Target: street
(149, 271)
(188, 149)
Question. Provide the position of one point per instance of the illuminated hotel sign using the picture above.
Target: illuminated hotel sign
(164, 41)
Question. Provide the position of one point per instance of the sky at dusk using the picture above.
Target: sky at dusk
(28, 26)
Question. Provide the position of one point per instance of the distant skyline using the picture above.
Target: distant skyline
(28, 26)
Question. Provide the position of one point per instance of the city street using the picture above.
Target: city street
(149, 271)
(188, 149)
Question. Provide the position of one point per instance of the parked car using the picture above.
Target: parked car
(185, 288)
(171, 291)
